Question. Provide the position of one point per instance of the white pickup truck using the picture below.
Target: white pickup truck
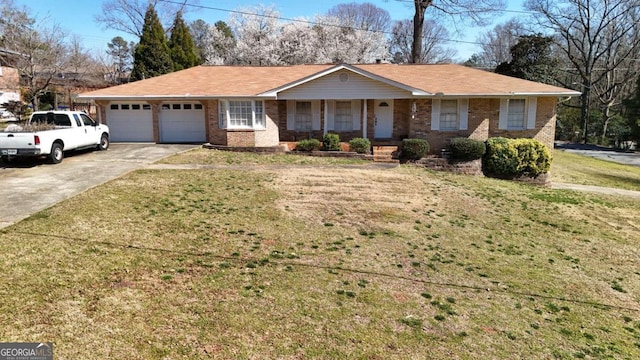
(50, 133)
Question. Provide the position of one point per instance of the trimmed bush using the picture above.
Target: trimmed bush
(466, 149)
(308, 145)
(535, 158)
(501, 158)
(331, 142)
(360, 145)
(413, 149)
(509, 158)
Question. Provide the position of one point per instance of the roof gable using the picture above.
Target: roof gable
(345, 68)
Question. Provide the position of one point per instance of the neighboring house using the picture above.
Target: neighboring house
(265, 106)
(9, 81)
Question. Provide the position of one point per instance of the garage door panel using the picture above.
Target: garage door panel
(182, 126)
(130, 125)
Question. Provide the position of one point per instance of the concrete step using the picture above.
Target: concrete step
(387, 151)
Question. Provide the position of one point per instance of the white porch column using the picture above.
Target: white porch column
(325, 118)
(364, 120)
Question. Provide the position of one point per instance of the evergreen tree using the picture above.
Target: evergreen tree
(181, 46)
(532, 58)
(152, 57)
(632, 107)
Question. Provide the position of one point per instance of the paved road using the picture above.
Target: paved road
(31, 186)
(603, 153)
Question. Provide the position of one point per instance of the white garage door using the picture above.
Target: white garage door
(130, 122)
(182, 123)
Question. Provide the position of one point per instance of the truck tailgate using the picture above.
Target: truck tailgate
(16, 140)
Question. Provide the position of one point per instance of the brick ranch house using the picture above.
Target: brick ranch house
(266, 106)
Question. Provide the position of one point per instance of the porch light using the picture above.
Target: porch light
(414, 110)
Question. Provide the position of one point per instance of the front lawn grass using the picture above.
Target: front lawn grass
(578, 169)
(221, 157)
(327, 262)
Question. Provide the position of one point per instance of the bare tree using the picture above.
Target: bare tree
(128, 15)
(600, 42)
(337, 42)
(477, 11)
(39, 48)
(496, 44)
(363, 16)
(79, 61)
(433, 51)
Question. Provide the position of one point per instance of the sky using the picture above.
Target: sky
(77, 17)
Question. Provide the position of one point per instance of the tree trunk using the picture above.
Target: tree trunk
(418, 23)
(584, 111)
(607, 117)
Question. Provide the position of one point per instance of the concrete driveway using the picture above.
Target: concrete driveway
(602, 153)
(30, 186)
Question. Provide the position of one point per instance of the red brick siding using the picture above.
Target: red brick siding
(244, 138)
(10, 80)
(545, 124)
(216, 135)
(401, 118)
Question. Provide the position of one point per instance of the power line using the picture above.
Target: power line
(309, 22)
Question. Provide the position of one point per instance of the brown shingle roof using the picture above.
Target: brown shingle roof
(451, 79)
(246, 81)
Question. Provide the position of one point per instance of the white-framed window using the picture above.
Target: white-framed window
(449, 115)
(518, 113)
(303, 116)
(241, 114)
(343, 116)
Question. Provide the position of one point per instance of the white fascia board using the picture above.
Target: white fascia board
(174, 97)
(501, 95)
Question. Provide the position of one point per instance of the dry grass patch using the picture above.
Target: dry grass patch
(324, 262)
(220, 157)
(585, 170)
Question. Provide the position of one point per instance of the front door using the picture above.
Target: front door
(383, 119)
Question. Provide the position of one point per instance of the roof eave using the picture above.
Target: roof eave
(499, 95)
(172, 97)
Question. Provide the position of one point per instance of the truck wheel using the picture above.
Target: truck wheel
(104, 142)
(56, 155)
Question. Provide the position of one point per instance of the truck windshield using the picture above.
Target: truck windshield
(51, 119)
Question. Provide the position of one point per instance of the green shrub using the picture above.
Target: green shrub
(331, 142)
(501, 158)
(466, 149)
(308, 145)
(534, 157)
(414, 149)
(360, 145)
(508, 158)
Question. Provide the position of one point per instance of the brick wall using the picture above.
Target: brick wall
(483, 123)
(216, 135)
(478, 124)
(101, 112)
(241, 138)
(545, 124)
(155, 114)
(269, 136)
(10, 80)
